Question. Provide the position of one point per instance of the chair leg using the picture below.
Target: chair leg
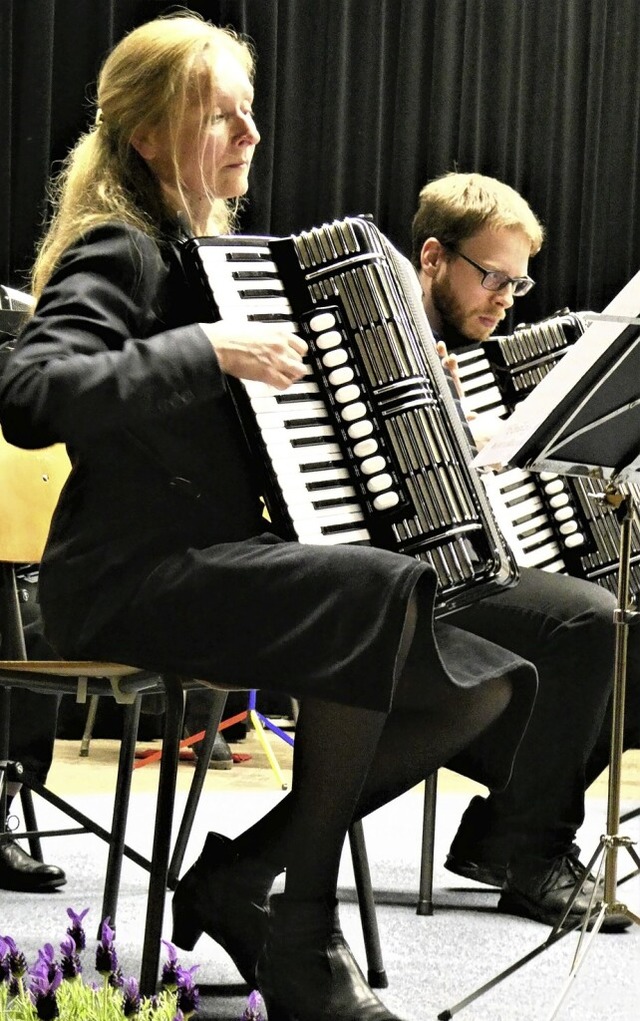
(376, 973)
(5, 709)
(425, 893)
(174, 712)
(89, 725)
(202, 764)
(30, 823)
(120, 811)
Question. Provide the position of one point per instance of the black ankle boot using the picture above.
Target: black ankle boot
(306, 971)
(226, 899)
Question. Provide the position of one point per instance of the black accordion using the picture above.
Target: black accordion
(555, 522)
(369, 446)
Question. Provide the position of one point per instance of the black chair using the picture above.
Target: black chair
(31, 483)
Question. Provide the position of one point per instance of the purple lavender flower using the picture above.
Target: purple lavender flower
(16, 959)
(131, 998)
(70, 964)
(116, 978)
(188, 992)
(43, 992)
(76, 930)
(46, 963)
(5, 968)
(106, 956)
(169, 977)
(253, 1010)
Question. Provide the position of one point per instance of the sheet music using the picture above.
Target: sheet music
(530, 415)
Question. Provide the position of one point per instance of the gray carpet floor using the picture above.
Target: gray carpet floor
(432, 963)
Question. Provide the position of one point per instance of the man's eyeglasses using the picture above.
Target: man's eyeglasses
(494, 280)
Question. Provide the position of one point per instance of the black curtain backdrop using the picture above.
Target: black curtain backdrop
(360, 102)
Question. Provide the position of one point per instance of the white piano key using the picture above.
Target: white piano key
(278, 418)
(265, 405)
(318, 539)
(303, 435)
(277, 444)
(291, 471)
(255, 388)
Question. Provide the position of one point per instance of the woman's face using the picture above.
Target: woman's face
(215, 141)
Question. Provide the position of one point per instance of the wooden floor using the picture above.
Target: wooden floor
(97, 773)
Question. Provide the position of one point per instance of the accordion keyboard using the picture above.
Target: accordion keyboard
(298, 435)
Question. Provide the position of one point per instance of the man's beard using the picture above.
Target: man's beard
(458, 324)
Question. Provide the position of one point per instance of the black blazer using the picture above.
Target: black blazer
(114, 365)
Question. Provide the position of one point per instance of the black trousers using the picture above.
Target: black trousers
(33, 716)
(564, 626)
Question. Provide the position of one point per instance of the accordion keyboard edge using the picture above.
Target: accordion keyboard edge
(557, 523)
(368, 447)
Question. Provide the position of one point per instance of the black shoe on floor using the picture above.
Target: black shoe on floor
(221, 755)
(476, 852)
(541, 889)
(492, 873)
(19, 871)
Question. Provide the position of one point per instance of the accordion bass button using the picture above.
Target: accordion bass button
(333, 358)
(559, 500)
(373, 465)
(340, 376)
(379, 482)
(352, 411)
(556, 486)
(360, 429)
(346, 394)
(322, 321)
(385, 501)
(328, 340)
(365, 448)
(577, 539)
(568, 528)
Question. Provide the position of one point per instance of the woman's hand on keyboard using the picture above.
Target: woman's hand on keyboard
(269, 353)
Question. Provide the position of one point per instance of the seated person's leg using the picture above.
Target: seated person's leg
(32, 735)
(523, 837)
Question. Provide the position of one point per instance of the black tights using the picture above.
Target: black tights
(349, 761)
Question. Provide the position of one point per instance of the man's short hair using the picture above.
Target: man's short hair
(455, 206)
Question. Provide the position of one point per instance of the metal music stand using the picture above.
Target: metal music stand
(569, 446)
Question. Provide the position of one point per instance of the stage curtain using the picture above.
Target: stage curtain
(360, 102)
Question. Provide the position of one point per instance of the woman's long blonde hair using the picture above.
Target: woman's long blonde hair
(147, 79)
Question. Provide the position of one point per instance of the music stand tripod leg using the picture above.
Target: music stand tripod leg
(609, 843)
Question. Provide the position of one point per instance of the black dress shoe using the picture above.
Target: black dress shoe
(492, 873)
(19, 871)
(479, 850)
(224, 898)
(541, 889)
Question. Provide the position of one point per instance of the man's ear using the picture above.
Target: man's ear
(431, 255)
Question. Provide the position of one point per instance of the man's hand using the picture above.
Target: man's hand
(450, 365)
(260, 351)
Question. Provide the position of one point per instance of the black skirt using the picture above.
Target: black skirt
(303, 620)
